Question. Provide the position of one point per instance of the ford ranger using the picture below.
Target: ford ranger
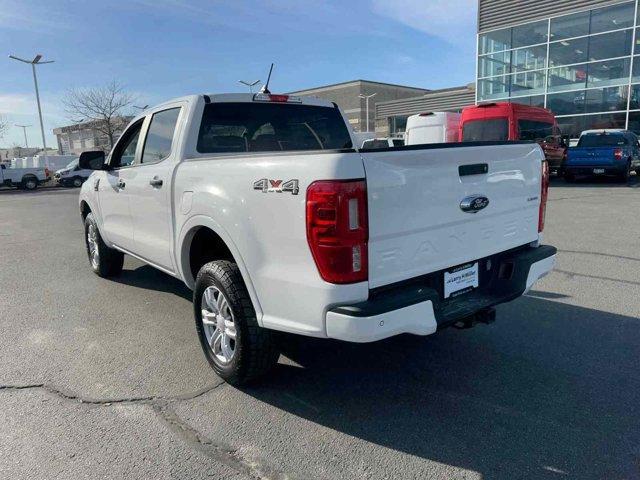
(261, 205)
(603, 153)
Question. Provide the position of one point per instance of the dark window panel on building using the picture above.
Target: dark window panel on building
(636, 69)
(529, 34)
(634, 122)
(495, 41)
(569, 26)
(533, 101)
(606, 99)
(608, 72)
(612, 18)
(610, 45)
(567, 103)
(566, 52)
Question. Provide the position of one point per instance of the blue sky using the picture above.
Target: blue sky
(159, 49)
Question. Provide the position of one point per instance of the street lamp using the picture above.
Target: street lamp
(249, 84)
(367, 97)
(33, 63)
(24, 130)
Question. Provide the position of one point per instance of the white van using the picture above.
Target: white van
(432, 127)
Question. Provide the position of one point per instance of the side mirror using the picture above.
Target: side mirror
(91, 160)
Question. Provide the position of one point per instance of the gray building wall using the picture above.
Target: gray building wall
(494, 14)
(445, 100)
(345, 95)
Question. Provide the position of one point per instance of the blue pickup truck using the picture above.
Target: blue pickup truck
(603, 153)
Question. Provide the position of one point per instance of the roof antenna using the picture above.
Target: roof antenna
(265, 87)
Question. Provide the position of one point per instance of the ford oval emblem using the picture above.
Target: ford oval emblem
(473, 203)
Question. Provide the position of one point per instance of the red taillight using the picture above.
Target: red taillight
(544, 193)
(47, 172)
(617, 154)
(338, 230)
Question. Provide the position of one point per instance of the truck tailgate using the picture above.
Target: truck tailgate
(416, 224)
(591, 156)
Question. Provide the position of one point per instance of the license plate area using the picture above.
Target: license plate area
(460, 280)
(598, 171)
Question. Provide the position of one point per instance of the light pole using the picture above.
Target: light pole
(33, 63)
(367, 97)
(24, 130)
(249, 84)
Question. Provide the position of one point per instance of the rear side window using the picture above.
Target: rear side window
(602, 140)
(270, 127)
(534, 130)
(157, 146)
(495, 130)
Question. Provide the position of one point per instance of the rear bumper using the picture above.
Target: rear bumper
(417, 306)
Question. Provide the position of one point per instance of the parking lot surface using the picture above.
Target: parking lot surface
(105, 378)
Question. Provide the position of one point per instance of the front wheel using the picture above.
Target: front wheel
(77, 182)
(237, 348)
(105, 261)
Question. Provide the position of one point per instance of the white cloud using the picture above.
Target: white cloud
(450, 20)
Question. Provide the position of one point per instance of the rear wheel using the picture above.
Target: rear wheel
(77, 182)
(237, 348)
(105, 261)
(624, 177)
(29, 182)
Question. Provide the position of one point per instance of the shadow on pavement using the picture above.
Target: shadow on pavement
(549, 391)
(150, 278)
(596, 182)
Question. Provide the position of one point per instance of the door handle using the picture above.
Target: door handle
(121, 184)
(155, 182)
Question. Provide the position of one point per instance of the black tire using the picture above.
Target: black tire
(77, 182)
(569, 177)
(255, 349)
(624, 177)
(29, 182)
(109, 262)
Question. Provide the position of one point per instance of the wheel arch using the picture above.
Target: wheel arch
(202, 232)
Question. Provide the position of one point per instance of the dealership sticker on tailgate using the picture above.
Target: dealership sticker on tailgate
(460, 280)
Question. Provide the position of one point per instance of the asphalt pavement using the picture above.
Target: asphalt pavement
(106, 379)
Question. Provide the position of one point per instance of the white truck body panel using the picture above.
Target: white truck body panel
(435, 127)
(416, 225)
(415, 222)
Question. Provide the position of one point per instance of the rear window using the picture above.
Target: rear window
(496, 130)
(602, 140)
(534, 130)
(375, 144)
(270, 127)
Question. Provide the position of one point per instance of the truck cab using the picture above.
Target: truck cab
(505, 121)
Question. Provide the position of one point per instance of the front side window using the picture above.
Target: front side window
(496, 129)
(125, 151)
(270, 127)
(534, 130)
(157, 145)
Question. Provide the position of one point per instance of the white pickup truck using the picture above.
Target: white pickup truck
(23, 178)
(262, 207)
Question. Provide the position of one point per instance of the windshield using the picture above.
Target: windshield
(71, 165)
(602, 140)
(270, 127)
(496, 129)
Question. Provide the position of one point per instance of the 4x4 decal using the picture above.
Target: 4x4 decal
(278, 186)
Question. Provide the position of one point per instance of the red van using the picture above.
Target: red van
(512, 121)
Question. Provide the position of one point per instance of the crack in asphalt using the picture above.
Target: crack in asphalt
(161, 405)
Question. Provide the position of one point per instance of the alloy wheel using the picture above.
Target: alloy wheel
(219, 324)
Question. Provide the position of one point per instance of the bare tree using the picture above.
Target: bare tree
(105, 107)
(4, 126)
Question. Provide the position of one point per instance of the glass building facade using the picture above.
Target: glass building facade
(583, 66)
